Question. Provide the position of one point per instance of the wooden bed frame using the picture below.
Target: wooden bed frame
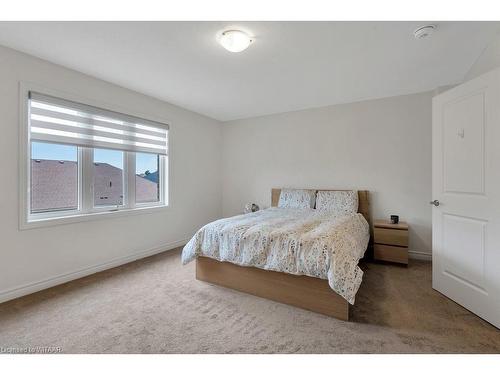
(309, 293)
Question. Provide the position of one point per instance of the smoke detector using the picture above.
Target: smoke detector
(424, 31)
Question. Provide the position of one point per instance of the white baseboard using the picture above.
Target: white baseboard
(420, 255)
(56, 280)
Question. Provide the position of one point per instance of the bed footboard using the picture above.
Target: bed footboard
(301, 291)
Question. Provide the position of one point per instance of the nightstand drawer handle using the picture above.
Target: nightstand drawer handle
(435, 202)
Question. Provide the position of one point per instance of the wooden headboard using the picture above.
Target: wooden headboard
(363, 198)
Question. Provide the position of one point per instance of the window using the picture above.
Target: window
(108, 178)
(84, 160)
(54, 177)
(147, 184)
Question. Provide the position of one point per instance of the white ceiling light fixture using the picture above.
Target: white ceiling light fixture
(424, 31)
(235, 40)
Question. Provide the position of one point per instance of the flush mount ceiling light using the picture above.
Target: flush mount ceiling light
(424, 31)
(234, 40)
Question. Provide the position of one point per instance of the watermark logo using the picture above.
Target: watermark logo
(31, 350)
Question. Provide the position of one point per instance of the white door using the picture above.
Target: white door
(466, 195)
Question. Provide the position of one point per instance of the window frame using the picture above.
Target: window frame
(86, 210)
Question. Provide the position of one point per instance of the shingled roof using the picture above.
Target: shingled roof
(54, 185)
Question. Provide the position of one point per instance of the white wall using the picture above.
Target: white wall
(488, 60)
(380, 145)
(31, 259)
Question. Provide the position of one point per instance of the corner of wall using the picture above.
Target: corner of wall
(488, 59)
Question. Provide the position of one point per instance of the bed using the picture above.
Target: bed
(302, 257)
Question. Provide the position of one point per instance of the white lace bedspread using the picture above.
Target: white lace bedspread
(295, 241)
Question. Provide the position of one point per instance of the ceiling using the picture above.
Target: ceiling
(290, 66)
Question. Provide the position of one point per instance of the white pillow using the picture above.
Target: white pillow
(342, 202)
(297, 198)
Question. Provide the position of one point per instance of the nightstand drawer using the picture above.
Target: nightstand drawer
(390, 253)
(390, 236)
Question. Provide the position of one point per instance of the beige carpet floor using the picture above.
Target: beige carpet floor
(155, 305)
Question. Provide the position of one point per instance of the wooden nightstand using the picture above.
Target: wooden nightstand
(390, 241)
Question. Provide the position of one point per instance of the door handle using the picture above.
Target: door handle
(435, 202)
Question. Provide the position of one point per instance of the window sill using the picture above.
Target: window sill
(76, 218)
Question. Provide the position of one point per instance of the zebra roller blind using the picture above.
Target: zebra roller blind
(63, 121)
